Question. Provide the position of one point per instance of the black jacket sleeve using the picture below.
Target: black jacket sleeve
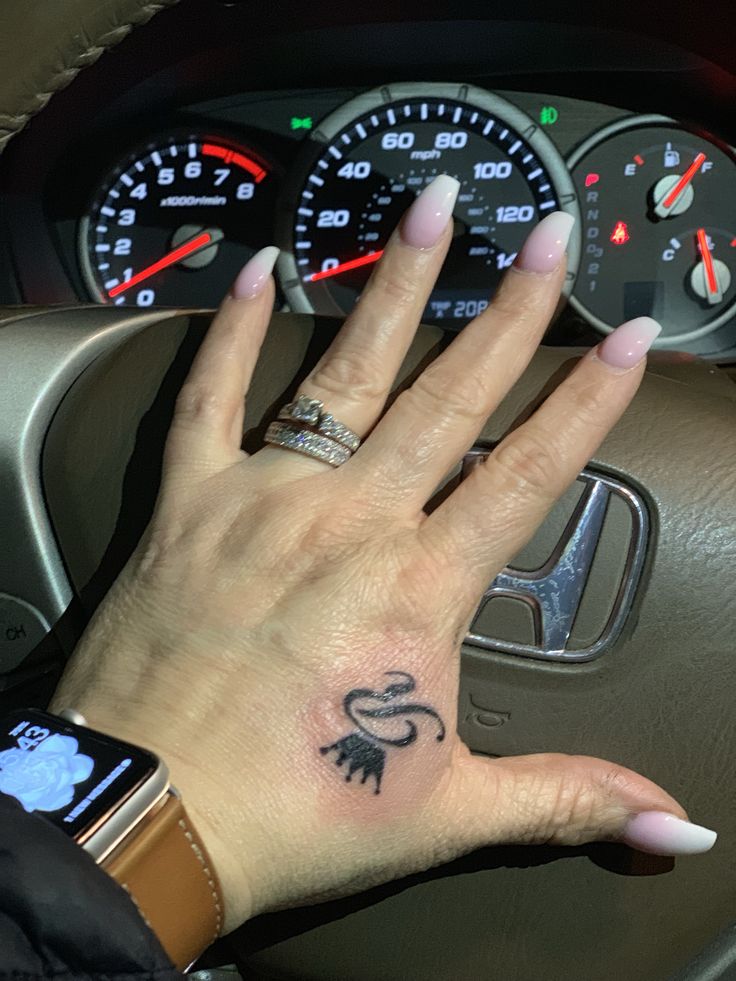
(61, 916)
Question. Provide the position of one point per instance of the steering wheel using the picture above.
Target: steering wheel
(87, 395)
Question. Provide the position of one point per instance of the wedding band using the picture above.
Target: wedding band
(305, 441)
(311, 412)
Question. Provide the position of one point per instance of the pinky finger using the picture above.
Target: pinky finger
(207, 426)
(499, 507)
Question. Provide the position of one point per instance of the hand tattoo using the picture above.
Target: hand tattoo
(361, 749)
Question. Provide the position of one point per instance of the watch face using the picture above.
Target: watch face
(68, 774)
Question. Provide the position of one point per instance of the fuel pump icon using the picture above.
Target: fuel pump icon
(671, 157)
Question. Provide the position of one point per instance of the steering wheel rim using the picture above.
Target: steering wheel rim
(43, 48)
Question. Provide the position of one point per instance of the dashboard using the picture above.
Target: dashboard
(156, 189)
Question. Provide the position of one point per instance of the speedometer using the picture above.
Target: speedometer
(377, 152)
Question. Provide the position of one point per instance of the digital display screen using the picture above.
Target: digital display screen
(464, 304)
(66, 773)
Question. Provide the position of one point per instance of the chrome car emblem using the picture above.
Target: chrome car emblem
(554, 592)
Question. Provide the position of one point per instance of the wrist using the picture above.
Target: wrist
(112, 798)
(202, 796)
(209, 809)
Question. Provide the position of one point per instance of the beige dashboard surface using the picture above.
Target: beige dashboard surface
(45, 43)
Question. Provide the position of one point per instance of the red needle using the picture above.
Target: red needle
(362, 260)
(710, 272)
(176, 255)
(684, 180)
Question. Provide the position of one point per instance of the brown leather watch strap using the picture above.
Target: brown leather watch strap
(165, 869)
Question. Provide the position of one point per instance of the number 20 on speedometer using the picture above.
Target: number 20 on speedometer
(370, 159)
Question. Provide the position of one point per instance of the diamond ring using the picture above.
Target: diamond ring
(307, 442)
(312, 413)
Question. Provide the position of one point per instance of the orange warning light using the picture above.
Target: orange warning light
(620, 233)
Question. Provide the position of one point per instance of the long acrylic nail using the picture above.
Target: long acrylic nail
(426, 219)
(253, 277)
(544, 248)
(628, 344)
(660, 833)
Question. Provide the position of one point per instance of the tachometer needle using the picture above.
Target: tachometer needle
(171, 258)
(710, 273)
(362, 260)
(683, 182)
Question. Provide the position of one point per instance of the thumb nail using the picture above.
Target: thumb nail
(660, 833)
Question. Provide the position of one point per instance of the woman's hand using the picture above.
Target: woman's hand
(286, 636)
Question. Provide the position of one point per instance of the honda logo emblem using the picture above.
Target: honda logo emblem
(554, 592)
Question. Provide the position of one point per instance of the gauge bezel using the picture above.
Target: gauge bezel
(590, 143)
(85, 264)
(346, 114)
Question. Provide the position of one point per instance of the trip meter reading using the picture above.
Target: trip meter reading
(659, 228)
(376, 153)
(174, 223)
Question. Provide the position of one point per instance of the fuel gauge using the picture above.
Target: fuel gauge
(658, 206)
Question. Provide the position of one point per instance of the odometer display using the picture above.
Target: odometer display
(378, 152)
(174, 223)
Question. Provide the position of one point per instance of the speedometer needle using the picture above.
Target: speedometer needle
(342, 267)
(170, 259)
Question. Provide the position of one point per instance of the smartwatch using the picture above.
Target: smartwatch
(115, 800)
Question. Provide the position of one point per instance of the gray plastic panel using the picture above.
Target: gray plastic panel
(717, 962)
(42, 354)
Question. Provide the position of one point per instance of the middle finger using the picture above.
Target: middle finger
(433, 423)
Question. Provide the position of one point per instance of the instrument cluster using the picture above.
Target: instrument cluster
(170, 219)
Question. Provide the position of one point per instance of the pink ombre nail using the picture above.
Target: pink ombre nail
(660, 833)
(544, 248)
(253, 277)
(628, 344)
(427, 218)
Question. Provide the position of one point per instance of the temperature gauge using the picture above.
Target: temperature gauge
(658, 208)
(693, 257)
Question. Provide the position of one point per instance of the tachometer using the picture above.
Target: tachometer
(174, 223)
(377, 152)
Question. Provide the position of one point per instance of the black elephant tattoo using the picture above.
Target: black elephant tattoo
(363, 750)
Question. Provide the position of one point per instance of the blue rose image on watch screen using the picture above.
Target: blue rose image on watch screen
(44, 778)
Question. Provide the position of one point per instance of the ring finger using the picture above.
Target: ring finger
(354, 376)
